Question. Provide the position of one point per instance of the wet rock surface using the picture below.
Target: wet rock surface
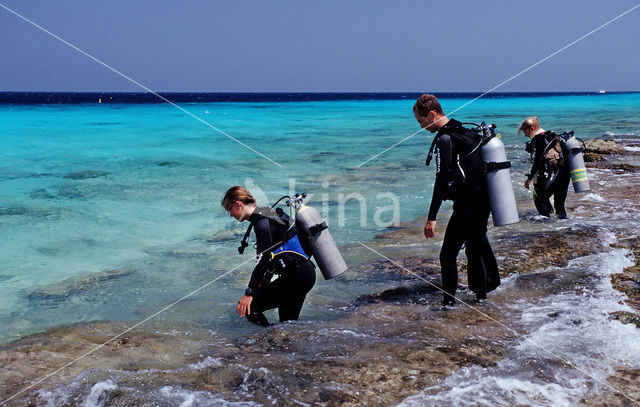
(628, 382)
(604, 147)
(628, 281)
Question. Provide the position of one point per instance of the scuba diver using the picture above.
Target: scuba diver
(549, 171)
(278, 252)
(460, 177)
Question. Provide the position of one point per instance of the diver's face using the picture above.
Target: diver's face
(426, 122)
(528, 133)
(235, 210)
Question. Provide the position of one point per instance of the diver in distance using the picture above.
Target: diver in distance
(549, 171)
(278, 253)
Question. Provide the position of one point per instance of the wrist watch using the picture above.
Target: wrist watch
(248, 291)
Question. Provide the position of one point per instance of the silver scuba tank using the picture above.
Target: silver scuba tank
(501, 197)
(577, 169)
(313, 230)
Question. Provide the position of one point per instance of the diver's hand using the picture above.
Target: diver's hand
(527, 183)
(244, 305)
(430, 229)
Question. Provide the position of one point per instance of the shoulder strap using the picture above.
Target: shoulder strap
(456, 127)
(244, 244)
(269, 213)
(262, 213)
(551, 138)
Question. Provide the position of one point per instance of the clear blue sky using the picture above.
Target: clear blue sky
(319, 46)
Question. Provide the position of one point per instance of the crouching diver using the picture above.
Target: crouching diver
(549, 171)
(459, 177)
(278, 252)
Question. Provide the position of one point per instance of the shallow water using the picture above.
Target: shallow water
(88, 189)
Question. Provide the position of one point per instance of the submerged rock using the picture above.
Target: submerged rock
(75, 286)
(41, 194)
(404, 293)
(86, 175)
(167, 163)
(226, 235)
(17, 210)
(23, 210)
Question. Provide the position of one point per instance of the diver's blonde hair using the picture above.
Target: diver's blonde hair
(530, 123)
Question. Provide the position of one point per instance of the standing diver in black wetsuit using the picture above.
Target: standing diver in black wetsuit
(468, 223)
(296, 272)
(552, 177)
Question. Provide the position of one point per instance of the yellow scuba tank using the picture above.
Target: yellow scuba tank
(577, 168)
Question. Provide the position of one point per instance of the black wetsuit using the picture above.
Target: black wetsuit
(468, 223)
(296, 278)
(543, 189)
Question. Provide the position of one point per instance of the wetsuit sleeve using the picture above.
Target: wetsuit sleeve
(539, 143)
(444, 157)
(264, 239)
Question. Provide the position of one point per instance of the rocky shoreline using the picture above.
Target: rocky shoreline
(390, 345)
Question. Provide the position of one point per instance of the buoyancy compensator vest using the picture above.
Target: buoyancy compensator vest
(290, 241)
(481, 165)
(565, 150)
(466, 174)
(554, 153)
(307, 236)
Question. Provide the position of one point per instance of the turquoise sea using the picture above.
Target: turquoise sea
(112, 211)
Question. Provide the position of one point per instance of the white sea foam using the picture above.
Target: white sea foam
(635, 149)
(331, 333)
(575, 327)
(51, 397)
(207, 362)
(620, 135)
(98, 389)
(591, 196)
(178, 396)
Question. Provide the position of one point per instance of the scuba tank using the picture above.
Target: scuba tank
(501, 197)
(308, 236)
(502, 200)
(315, 235)
(576, 164)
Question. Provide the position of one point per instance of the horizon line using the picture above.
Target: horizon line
(316, 92)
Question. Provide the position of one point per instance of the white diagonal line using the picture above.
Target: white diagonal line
(387, 149)
(510, 79)
(534, 343)
(138, 84)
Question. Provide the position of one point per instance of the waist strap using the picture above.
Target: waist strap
(496, 166)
